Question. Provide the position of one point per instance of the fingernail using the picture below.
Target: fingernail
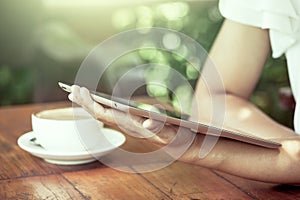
(147, 123)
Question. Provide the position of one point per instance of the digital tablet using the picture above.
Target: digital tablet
(172, 117)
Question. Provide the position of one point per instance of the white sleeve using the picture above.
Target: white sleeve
(241, 11)
(280, 16)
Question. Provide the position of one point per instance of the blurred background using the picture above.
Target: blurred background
(45, 41)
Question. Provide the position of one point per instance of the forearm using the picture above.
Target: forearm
(249, 161)
(242, 115)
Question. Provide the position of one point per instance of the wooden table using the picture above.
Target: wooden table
(23, 176)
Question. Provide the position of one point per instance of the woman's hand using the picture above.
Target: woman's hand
(134, 125)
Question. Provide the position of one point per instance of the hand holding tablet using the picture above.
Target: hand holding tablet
(136, 108)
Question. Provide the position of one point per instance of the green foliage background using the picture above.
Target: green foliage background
(38, 49)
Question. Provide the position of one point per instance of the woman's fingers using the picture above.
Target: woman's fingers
(93, 107)
(73, 96)
(85, 96)
(125, 121)
(82, 97)
(164, 132)
(154, 130)
(153, 125)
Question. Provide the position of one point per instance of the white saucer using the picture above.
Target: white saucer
(114, 137)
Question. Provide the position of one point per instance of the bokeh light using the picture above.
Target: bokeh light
(171, 41)
(122, 18)
(173, 11)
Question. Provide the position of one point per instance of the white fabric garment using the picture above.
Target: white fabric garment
(282, 18)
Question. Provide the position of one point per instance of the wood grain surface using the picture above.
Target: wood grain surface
(23, 176)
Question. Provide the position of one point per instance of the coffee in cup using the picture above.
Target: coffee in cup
(67, 130)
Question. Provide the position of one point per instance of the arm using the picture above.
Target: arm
(239, 54)
(234, 42)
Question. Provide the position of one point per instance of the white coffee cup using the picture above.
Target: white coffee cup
(66, 130)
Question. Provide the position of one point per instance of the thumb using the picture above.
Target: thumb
(153, 125)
